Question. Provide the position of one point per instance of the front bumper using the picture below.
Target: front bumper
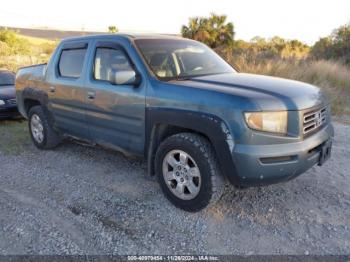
(268, 164)
(9, 112)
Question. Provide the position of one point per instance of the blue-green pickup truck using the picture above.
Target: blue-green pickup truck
(174, 101)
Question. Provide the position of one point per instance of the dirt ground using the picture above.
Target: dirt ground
(87, 200)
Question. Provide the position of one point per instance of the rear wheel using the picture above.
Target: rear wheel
(188, 171)
(42, 133)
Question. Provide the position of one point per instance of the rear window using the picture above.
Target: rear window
(71, 62)
(7, 78)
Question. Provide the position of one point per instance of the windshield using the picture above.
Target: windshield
(7, 78)
(181, 59)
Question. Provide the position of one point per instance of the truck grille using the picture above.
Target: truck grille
(12, 101)
(314, 120)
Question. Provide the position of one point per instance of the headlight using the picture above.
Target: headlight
(274, 122)
(2, 102)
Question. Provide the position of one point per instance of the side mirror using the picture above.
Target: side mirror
(125, 77)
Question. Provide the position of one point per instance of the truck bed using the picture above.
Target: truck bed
(31, 73)
(29, 76)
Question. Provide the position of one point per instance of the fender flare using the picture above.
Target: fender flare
(41, 97)
(36, 95)
(211, 126)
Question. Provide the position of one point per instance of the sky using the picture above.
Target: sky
(306, 20)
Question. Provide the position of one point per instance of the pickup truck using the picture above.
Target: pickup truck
(196, 120)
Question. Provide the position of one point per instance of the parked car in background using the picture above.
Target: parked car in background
(174, 101)
(8, 104)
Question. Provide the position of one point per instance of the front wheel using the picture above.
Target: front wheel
(188, 171)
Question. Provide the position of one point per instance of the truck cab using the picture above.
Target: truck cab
(174, 101)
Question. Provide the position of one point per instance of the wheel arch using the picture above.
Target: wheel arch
(33, 97)
(36, 97)
(163, 122)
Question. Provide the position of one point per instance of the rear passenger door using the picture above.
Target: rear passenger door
(115, 113)
(66, 90)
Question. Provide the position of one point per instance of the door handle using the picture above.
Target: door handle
(91, 95)
(52, 89)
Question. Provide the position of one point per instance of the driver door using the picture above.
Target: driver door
(115, 113)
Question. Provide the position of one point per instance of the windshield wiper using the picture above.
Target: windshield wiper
(177, 78)
(189, 77)
(184, 78)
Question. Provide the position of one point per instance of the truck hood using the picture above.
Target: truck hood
(268, 93)
(7, 92)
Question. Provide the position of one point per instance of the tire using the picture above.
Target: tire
(206, 188)
(38, 121)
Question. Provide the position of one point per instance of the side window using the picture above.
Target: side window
(71, 62)
(108, 61)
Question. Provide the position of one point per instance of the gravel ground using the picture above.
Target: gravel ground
(84, 200)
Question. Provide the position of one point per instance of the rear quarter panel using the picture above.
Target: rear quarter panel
(32, 77)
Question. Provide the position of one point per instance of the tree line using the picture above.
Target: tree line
(219, 34)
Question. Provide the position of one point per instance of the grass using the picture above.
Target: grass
(35, 40)
(39, 52)
(14, 136)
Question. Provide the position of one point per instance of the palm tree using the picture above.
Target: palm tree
(196, 29)
(213, 31)
(222, 33)
(112, 29)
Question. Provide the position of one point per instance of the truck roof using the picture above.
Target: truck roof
(126, 35)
